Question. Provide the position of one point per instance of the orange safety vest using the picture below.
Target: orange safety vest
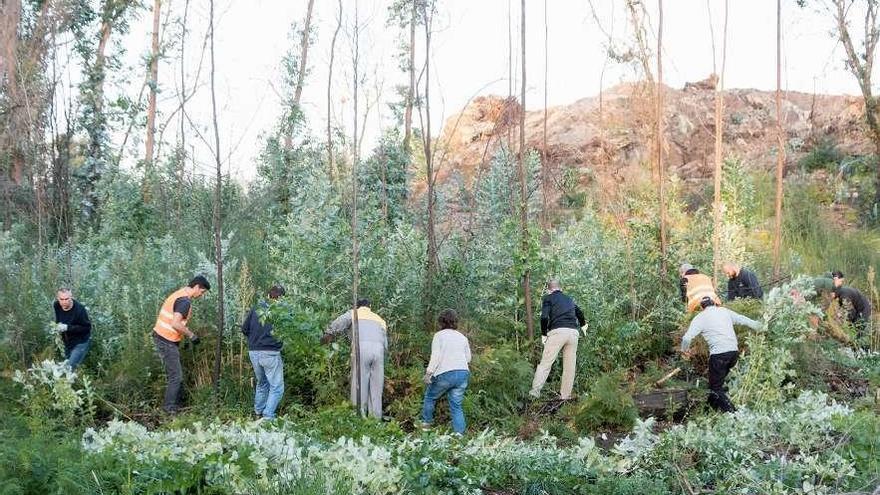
(698, 287)
(166, 315)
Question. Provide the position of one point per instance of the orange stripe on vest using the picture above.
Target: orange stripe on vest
(698, 287)
(166, 315)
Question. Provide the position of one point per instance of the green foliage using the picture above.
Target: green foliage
(823, 155)
(504, 377)
(608, 404)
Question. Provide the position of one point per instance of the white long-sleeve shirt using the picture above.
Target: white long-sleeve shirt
(450, 350)
(716, 325)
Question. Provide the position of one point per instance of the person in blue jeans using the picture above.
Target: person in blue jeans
(447, 372)
(265, 353)
(72, 322)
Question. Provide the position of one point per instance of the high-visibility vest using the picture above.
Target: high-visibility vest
(698, 287)
(166, 315)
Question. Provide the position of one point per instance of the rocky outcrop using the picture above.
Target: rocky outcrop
(608, 139)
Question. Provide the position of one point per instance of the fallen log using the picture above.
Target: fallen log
(662, 403)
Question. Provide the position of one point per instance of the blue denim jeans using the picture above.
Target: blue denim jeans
(75, 355)
(270, 381)
(454, 383)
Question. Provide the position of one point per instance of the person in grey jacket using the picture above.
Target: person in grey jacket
(265, 353)
(372, 343)
(715, 324)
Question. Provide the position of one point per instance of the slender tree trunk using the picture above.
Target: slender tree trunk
(151, 105)
(433, 260)
(545, 167)
(524, 193)
(182, 151)
(218, 247)
(301, 75)
(410, 95)
(355, 249)
(331, 164)
(719, 151)
(10, 12)
(780, 143)
(660, 167)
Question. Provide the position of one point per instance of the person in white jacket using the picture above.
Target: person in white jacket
(715, 324)
(447, 372)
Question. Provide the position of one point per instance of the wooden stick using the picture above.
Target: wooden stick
(669, 375)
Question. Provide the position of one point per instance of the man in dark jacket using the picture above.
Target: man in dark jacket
(72, 322)
(859, 308)
(560, 320)
(742, 283)
(265, 353)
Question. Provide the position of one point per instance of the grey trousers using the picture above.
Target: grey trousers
(372, 375)
(169, 353)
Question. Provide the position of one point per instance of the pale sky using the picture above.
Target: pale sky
(469, 57)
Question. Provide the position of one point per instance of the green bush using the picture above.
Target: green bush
(824, 154)
(607, 405)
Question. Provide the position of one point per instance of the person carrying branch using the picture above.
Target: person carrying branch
(560, 320)
(72, 322)
(695, 286)
(372, 343)
(741, 282)
(265, 353)
(715, 324)
(168, 331)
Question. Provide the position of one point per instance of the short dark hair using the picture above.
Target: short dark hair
(706, 302)
(837, 274)
(448, 319)
(201, 281)
(363, 302)
(276, 291)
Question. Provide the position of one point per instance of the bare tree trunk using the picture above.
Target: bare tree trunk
(355, 250)
(331, 164)
(545, 175)
(11, 16)
(524, 193)
(182, 151)
(660, 167)
(218, 247)
(780, 143)
(719, 151)
(636, 16)
(301, 76)
(151, 105)
(433, 260)
(410, 95)
(861, 65)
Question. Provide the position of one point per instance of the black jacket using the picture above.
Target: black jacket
(79, 327)
(861, 306)
(744, 284)
(559, 311)
(259, 335)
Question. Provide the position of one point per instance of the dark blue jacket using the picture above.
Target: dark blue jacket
(259, 335)
(79, 327)
(559, 311)
(744, 284)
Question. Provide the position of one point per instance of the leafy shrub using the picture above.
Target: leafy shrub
(607, 405)
(824, 154)
(52, 393)
(500, 380)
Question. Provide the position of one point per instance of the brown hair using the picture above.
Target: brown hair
(448, 319)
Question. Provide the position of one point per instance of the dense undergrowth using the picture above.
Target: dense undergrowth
(808, 421)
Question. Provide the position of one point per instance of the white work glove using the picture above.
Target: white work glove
(584, 329)
(62, 327)
(427, 378)
(543, 340)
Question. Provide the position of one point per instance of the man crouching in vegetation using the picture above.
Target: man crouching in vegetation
(72, 322)
(265, 353)
(560, 320)
(716, 325)
(169, 329)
